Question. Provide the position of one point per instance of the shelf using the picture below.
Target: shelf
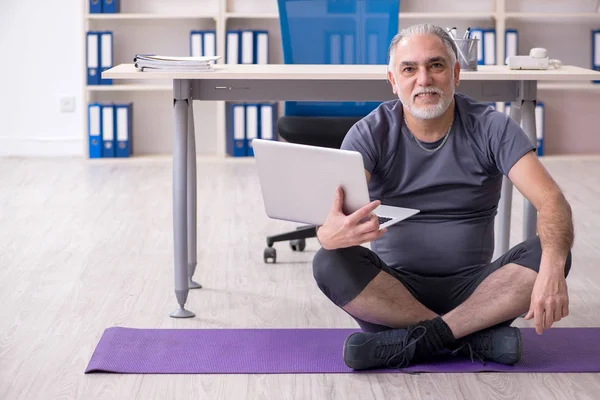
(130, 16)
(129, 88)
(554, 16)
(235, 15)
(402, 15)
(447, 15)
(585, 86)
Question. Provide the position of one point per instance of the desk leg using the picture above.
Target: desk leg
(181, 99)
(505, 206)
(191, 197)
(529, 211)
(503, 239)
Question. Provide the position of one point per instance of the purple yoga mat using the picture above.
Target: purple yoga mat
(295, 351)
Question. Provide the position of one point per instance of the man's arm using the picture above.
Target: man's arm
(555, 225)
(549, 296)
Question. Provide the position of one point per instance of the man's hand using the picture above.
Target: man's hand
(340, 230)
(549, 299)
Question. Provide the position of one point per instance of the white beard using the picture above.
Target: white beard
(429, 112)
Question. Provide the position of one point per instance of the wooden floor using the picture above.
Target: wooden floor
(86, 245)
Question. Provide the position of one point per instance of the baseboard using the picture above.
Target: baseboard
(41, 146)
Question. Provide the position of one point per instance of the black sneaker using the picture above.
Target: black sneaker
(501, 345)
(394, 348)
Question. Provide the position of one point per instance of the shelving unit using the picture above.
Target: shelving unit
(251, 16)
(554, 16)
(447, 15)
(130, 88)
(163, 27)
(132, 16)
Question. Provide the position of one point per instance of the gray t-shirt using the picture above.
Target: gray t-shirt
(457, 188)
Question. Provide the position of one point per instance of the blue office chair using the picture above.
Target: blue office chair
(329, 32)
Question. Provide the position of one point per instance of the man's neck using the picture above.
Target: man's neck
(430, 130)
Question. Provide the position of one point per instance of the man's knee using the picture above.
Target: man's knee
(343, 273)
(529, 254)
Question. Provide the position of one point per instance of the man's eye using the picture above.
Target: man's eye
(437, 65)
(407, 69)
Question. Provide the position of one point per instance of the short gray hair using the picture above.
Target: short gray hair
(423, 29)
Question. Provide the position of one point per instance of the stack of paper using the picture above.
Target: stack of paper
(145, 62)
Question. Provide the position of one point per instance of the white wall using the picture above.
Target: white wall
(41, 50)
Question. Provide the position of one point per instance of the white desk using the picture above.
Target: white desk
(327, 83)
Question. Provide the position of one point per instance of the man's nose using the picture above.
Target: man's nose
(423, 76)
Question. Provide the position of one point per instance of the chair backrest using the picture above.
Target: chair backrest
(336, 32)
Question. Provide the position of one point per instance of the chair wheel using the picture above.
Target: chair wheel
(298, 244)
(270, 253)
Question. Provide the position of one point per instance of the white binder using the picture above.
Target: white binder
(106, 54)
(349, 49)
(511, 44)
(95, 130)
(239, 130)
(233, 47)
(196, 44)
(477, 33)
(489, 47)
(108, 130)
(93, 62)
(372, 48)
(335, 48)
(209, 45)
(251, 126)
(262, 48)
(247, 47)
(266, 122)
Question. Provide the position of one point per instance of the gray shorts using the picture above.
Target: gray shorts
(342, 274)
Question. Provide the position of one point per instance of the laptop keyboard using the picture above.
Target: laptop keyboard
(382, 220)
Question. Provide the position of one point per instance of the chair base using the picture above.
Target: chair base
(297, 240)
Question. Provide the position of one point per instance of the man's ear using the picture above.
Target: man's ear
(456, 74)
(392, 81)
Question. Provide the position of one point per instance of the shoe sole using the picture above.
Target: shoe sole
(344, 350)
(519, 348)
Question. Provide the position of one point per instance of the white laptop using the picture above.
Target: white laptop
(298, 183)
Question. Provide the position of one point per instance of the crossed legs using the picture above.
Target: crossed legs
(385, 301)
(380, 298)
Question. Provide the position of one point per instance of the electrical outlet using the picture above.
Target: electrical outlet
(67, 104)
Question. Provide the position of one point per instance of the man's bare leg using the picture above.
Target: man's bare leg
(503, 295)
(385, 301)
